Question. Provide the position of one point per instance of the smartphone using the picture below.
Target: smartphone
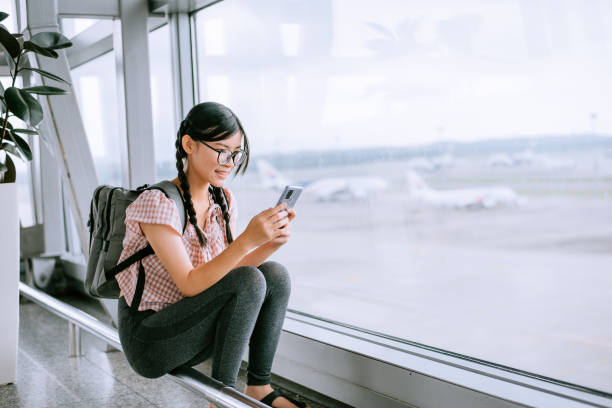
(290, 195)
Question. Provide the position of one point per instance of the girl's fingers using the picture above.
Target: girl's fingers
(281, 222)
(271, 212)
(279, 217)
(291, 213)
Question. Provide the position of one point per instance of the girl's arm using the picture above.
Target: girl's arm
(263, 252)
(169, 248)
(259, 255)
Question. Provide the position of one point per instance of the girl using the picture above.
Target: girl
(205, 293)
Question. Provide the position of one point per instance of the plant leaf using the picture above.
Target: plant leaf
(10, 173)
(26, 131)
(17, 104)
(50, 40)
(9, 42)
(36, 112)
(30, 46)
(3, 15)
(9, 60)
(10, 148)
(20, 39)
(22, 145)
(24, 106)
(45, 90)
(48, 75)
(8, 124)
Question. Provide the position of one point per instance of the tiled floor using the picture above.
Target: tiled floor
(47, 377)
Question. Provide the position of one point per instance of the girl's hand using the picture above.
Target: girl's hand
(286, 230)
(266, 225)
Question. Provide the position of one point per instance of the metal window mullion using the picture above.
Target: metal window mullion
(182, 63)
(195, 66)
(130, 41)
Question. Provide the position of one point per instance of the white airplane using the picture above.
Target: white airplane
(501, 160)
(481, 197)
(530, 159)
(323, 189)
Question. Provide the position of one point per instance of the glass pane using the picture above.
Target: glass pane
(95, 85)
(162, 89)
(457, 164)
(8, 6)
(73, 26)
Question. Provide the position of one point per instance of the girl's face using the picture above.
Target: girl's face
(202, 160)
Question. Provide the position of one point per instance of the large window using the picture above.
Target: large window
(164, 123)
(457, 164)
(95, 84)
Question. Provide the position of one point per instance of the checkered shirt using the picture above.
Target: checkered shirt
(153, 207)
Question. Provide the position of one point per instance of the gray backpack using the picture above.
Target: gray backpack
(106, 233)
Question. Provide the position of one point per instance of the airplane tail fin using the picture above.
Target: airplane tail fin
(269, 176)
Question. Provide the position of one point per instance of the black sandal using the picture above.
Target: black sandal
(275, 394)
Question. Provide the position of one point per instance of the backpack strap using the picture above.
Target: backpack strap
(135, 257)
(172, 191)
(139, 289)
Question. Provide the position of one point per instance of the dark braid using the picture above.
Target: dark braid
(219, 197)
(180, 154)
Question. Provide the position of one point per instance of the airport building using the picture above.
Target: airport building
(322, 203)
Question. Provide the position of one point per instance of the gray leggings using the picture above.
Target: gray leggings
(247, 305)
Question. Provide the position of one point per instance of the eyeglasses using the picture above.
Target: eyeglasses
(224, 156)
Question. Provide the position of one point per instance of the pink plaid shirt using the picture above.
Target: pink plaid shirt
(153, 207)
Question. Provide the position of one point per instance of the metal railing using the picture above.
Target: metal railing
(213, 390)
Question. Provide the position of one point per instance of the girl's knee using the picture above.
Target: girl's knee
(277, 276)
(251, 280)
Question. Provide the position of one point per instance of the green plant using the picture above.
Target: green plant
(17, 102)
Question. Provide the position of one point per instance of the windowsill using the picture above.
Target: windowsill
(416, 366)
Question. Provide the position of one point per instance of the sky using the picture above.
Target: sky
(408, 73)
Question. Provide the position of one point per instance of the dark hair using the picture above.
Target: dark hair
(208, 122)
